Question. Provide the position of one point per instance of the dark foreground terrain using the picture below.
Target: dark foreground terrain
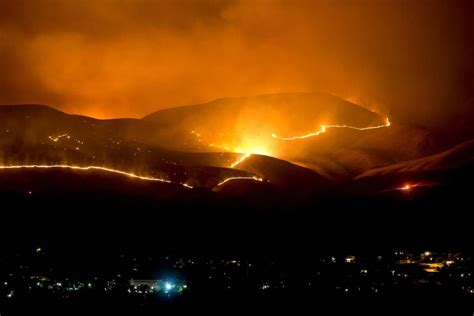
(99, 241)
(379, 217)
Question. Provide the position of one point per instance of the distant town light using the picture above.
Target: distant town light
(168, 286)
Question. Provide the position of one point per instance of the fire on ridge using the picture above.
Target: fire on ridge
(128, 174)
(324, 128)
(86, 168)
(254, 178)
(248, 149)
(259, 140)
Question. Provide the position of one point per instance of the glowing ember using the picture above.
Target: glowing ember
(254, 178)
(187, 185)
(56, 138)
(407, 187)
(324, 128)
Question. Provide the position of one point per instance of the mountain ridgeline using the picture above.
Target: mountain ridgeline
(204, 145)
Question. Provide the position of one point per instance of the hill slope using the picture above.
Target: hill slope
(39, 135)
(247, 124)
(456, 157)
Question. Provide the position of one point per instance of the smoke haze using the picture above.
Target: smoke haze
(412, 60)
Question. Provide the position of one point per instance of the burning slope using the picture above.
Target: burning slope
(38, 137)
(35, 137)
(351, 139)
(219, 142)
(246, 125)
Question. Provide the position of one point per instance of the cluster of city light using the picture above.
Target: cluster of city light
(88, 168)
(156, 286)
(324, 128)
(431, 263)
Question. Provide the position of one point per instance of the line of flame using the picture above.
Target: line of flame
(324, 128)
(129, 174)
(254, 178)
(241, 159)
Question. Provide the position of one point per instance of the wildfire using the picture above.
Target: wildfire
(246, 153)
(128, 174)
(324, 128)
(254, 178)
(86, 168)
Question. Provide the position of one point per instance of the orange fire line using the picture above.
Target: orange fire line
(129, 174)
(254, 178)
(324, 128)
(241, 159)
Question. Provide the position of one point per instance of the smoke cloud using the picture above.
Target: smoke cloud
(120, 58)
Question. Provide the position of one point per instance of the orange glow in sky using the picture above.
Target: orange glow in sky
(111, 58)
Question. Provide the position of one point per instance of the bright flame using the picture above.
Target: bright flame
(129, 174)
(246, 146)
(254, 178)
(249, 149)
(324, 128)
